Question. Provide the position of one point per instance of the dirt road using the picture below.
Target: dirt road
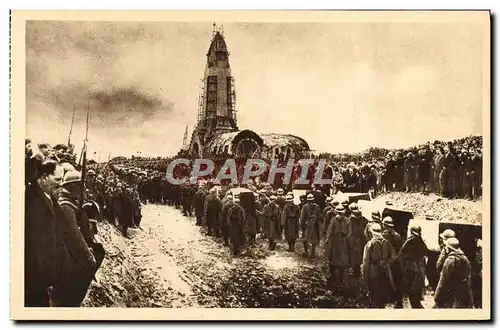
(171, 262)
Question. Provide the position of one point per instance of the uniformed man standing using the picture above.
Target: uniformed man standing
(377, 256)
(454, 286)
(259, 210)
(310, 221)
(412, 260)
(357, 239)
(336, 246)
(227, 204)
(78, 239)
(396, 241)
(199, 205)
(443, 237)
(290, 222)
(212, 213)
(327, 208)
(187, 199)
(236, 222)
(272, 223)
(329, 215)
(375, 219)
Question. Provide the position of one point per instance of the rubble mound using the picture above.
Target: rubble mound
(443, 209)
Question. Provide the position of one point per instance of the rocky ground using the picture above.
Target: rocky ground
(171, 262)
(443, 209)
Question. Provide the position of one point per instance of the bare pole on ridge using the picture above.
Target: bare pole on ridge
(71, 127)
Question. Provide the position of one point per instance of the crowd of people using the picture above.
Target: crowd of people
(370, 249)
(62, 208)
(450, 169)
(63, 252)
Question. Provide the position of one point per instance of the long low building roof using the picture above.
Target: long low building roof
(268, 140)
(284, 140)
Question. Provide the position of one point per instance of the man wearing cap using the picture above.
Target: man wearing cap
(310, 221)
(336, 245)
(412, 259)
(396, 241)
(444, 236)
(377, 255)
(290, 222)
(79, 264)
(357, 239)
(272, 223)
(454, 286)
(236, 221)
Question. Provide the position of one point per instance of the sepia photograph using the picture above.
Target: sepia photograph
(250, 165)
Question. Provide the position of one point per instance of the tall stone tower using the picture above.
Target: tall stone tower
(217, 99)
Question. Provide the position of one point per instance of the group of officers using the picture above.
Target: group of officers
(390, 266)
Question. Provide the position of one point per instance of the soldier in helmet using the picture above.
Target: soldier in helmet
(329, 215)
(259, 210)
(327, 208)
(310, 220)
(377, 255)
(236, 219)
(454, 286)
(212, 213)
(443, 237)
(396, 241)
(357, 239)
(78, 240)
(187, 199)
(227, 204)
(412, 259)
(336, 246)
(272, 215)
(375, 219)
(199, 205)
(290, 222)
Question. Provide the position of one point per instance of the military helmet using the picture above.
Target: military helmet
(310, 197)
(280, 191)
(72, 176)
(272, 198)
(416, 229)
(375, 228)
(289, 197)
(453, 243)
(447, 234)
(388, 222)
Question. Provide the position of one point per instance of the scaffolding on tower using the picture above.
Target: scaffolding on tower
(185, 139)
(232, 95)
(201, 101)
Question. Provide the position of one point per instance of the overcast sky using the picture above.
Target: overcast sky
(342, 87)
